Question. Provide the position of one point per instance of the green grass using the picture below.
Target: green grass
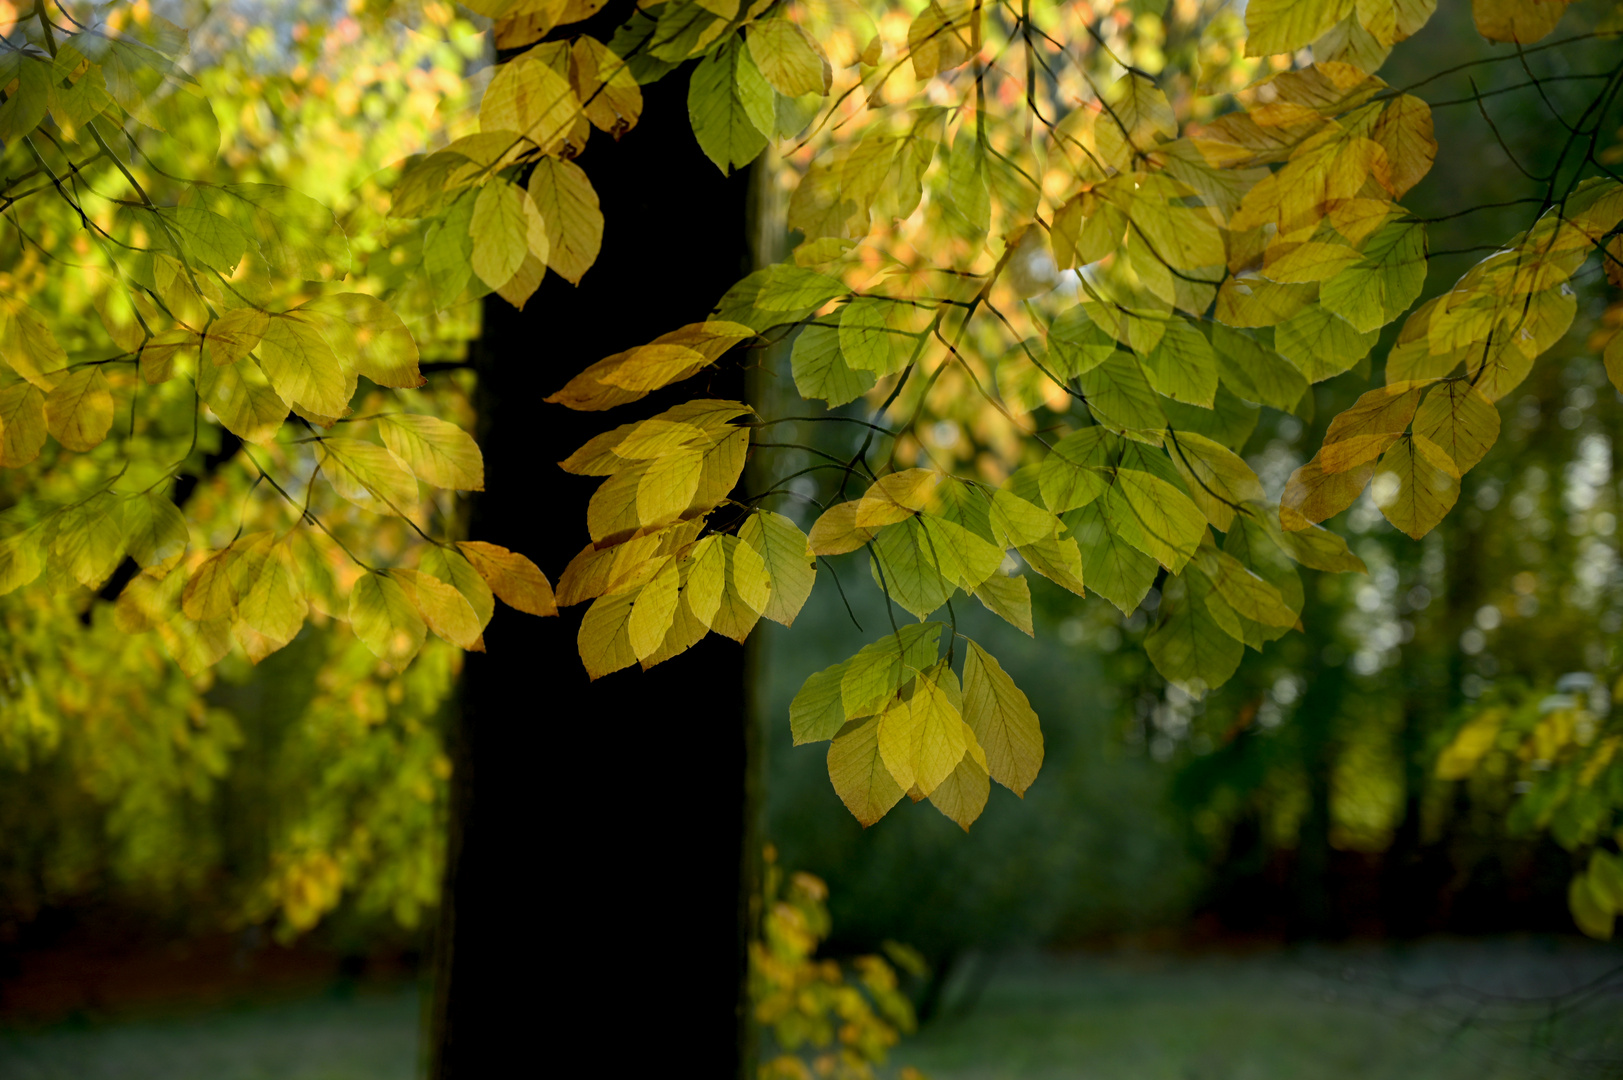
(365, 1036)
(1440, 1012)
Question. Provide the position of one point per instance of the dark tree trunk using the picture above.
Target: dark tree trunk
(601, 833)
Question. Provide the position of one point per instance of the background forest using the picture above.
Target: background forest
(1428, 757)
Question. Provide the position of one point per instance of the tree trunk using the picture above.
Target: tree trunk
(601, 842)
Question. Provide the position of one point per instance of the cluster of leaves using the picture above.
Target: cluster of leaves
(822, 1021)
(148, 336)
(1560, 749)
(230, 313)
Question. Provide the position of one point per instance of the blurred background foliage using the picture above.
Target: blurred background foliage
(1437, 750)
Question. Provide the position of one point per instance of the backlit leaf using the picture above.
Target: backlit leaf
(438, 452)
(383, 616)
(515, 580)
(567, 204)
(79, 411)
(1003, 721)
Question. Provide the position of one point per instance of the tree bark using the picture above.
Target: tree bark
(600, 847)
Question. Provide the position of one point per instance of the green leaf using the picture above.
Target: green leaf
(726, 98)
(155, 530)
(1004, 723)
(1321, 344)
(383, 617)
(1112, 567)
(1077, 344)
(879, 670)
(969, 195)
(820, 369)
(912, 570)
(1381, 286)
(1155, 517)
(25, 107)
(1009, 598)
(448, 252)
(777, 295)
(1075, 471)
(1120, 398)
(1189, 647)
(1182, 365)
(782, 547)
(867, 338)
(1254, 371)
(204, 237)
(292, 232)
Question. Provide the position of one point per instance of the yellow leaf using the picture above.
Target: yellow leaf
(895, 497)
(22, 424)
(615, 568)
(792, 573)
(161, 354)
(79, 411)
(20, 561)
(28, 346)
(653, 612)
(368, 331)
(564, 198)
(1282, 26)
(303, 368)
(1521, 21)
(443, 607)
(835, 532)
(243, 400)
(922, 739)
(963, 794)
(235, 334)
(630, 375)
(858, 772)
(383, 617)
(1374, 422)
(707, 579)
(369, 476)
(273, 603)
(1002, 720)
(505, 227)
(1218, 479)
(452, 567)
(604, 639)
(1009, 598)
(1416, 485)
(789, 58)
(515, 580)
(608, 91)
(155, 531)
(1460, 421)
(437, 451)
(525, 280)
(748, 591)
(527, 96)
